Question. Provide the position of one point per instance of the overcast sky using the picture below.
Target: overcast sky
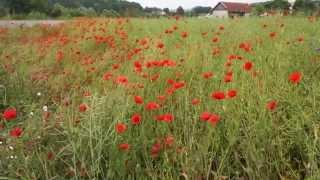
(186, 4)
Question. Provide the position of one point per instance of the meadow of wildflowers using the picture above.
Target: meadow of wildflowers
(161, 99)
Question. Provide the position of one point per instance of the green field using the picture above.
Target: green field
(161, 99)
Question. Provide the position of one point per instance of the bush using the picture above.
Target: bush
(18, 16)
(76, 12)
(89, 12)
(109, 13)
(3, 11)
(57, 10)
(37, 15)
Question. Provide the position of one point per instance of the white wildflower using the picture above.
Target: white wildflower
(45, 108)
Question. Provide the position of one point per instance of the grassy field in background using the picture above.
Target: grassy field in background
(161, 99)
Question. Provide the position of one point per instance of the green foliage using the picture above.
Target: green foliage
(57, 10)
(39, 5)
(259, 9)
(280, 5)
(37, 15)
(109, 13)
(166, 10)
(19, 6)
(70, 8)
(305, 6)
(125, 8)
(180, 11)
(3, 11)
(201, 10)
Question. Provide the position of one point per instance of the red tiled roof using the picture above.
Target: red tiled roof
(236, 7)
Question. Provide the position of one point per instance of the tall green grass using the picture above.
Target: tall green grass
(249, 142)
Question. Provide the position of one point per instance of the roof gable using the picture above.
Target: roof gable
(233, 7)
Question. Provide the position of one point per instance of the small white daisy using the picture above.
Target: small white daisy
(45, 108)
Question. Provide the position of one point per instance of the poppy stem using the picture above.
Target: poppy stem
(317, 69)
(5, 94)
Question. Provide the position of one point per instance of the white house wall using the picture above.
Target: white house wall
(220, 13)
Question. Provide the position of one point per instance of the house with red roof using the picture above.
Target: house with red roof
(231, 9)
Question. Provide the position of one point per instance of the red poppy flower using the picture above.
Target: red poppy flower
(232, 93)
(207, 75)
(122, 80)
(272, 105)
(184, 34)
(121, 128)
(247, 66)
(272, 34)
(83, 107)
(50, 156)
(136, 119)
(214, 119)
(124, 147)
(218, 95)
(59, 56)
(9, 114)
(160, 45)
(86, 94)
(152, 106)
(195, 101)
(138, 100)
(155, 150)
(246, 46)
(161, 97)
(300, 39)
(115, 66)
(205, 116)
(168, 141)
(227, 78)
(16, 132)
(215, 39)
(228, 63)
(170, 81)
(216, 51)
(107, 76)
(295, 77)
(166, 118)
(204, 33)
(178, 85)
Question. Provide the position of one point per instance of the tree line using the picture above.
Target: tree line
(306, 7)
(69, 8)
(38, 9)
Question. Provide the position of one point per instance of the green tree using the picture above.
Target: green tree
(259, 9)
(200, 10)
(57, 10)
(279, 5)
(167, 11)
(19, 6)
(180, 11)
(39, 5)
(305, 6)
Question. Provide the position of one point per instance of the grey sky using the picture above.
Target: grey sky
(187, 4)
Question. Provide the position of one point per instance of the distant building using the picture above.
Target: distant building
(231, 9)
